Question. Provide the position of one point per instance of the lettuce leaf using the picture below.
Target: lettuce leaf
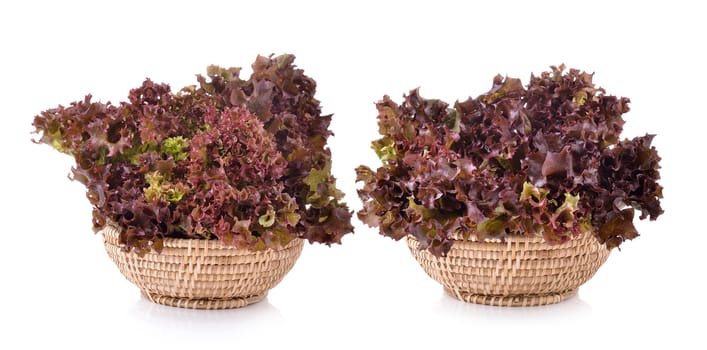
(541, 159)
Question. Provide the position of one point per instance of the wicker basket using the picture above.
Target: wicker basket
(522, 271)
(202, 274)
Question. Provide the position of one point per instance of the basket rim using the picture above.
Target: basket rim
(521, 238)
(111, 234)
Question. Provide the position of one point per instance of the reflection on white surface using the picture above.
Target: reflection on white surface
(251, 322)
(148, 311)
(571, 308)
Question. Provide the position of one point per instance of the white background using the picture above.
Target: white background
(59, 288)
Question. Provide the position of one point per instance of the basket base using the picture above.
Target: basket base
(512, 300)
(205, 304)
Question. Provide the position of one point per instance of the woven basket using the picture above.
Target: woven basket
(522, 271)
(203, 274)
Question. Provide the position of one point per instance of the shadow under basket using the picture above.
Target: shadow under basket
(203, 274)
(522, 271)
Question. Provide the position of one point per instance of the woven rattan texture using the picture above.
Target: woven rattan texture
(522, 271)
(203, 274)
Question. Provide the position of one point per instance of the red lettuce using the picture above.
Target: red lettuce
(546, 159)
(244, 161)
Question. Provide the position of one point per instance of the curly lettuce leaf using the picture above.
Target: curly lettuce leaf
(542, 159)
